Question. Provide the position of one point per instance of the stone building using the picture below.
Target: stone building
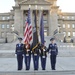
(55, 21)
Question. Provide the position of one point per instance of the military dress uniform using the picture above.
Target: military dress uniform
(43, 55)
(27, 55)
(19, 52)
(35, 53)
(53, 49)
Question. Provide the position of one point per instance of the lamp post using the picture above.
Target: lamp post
(6, 41)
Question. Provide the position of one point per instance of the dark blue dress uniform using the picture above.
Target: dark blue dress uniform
(43, 54)
(27, 55)
(54, 51)
(19, 52)
(35, 53)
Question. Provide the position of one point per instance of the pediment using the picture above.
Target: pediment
(35, 2)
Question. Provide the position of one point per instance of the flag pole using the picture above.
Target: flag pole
(35, 37)
(36, 20)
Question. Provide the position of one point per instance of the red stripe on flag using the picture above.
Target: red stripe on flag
(28, 30)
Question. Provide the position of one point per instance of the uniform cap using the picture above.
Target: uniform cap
(20, 38)
(52, 39)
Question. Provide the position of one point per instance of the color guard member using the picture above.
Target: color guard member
(19, 52)
(53, 49)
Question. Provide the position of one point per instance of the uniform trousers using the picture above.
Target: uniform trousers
(43, 62)
(36, 61)
(27, 61)
(20, 61)
(53, 61)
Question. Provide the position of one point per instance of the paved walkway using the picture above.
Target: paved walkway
(39, 73)
(63, 63)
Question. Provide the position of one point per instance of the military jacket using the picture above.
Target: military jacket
(19, 48)
(43, 51)
(27, 50)
(53, 49)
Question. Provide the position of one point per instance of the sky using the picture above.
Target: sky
(64, 5)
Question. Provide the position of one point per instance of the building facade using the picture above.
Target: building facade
(54, 18)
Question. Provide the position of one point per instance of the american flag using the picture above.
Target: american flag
(28, 29)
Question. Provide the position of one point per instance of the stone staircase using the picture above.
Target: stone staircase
(7, 51)
(8, 46)
(11, 46)
(65, 49)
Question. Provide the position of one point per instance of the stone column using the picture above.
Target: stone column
(17, 20)
(21, 23)
(53, 17)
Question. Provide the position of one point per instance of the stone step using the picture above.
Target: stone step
(7, 55)
(38, 73)
(11, 46)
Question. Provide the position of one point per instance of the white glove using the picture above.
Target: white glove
(15, 55)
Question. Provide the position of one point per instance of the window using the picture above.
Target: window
(68, 17)
(3, 18)
(63, 17)
(73, 33)
(45, 21)
(8, 18)
(64, 26)
(45, 32)
(68, 25)
(64, 33)
(2, 26)
(7, 26)
(73, 25)
(69, 33)
(72, 17)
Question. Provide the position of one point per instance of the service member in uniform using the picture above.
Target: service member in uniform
(19, 52)
(27, 55)
(53, 49)
(43, 54)
(35, 53)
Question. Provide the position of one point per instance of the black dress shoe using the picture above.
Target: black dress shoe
(43, 69)
(19, 69)
(53, 69)
(27, 69)
(35, 69)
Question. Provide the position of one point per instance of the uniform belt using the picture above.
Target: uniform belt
(19, 50)
(53, 50)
